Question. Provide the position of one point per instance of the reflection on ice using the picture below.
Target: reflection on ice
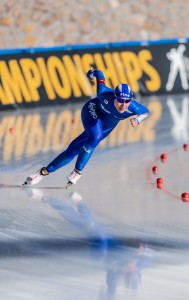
(82, 256)
(121, 262)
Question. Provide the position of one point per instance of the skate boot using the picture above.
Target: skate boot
(73, 178)
(35, 178)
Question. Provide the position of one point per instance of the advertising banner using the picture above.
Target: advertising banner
(34, 77)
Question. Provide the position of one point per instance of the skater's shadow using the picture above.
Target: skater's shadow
(121, 261)
(75, 211)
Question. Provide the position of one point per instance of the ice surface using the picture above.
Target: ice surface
(114, 235)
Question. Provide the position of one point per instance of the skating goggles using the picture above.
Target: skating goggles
(123, 100)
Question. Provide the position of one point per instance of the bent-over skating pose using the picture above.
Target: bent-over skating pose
(99, 116)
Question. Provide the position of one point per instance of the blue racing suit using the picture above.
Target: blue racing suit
(99, 117)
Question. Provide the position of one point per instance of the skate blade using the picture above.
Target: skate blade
(24, 184)
(68, 185)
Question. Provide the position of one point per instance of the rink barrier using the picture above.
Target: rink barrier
(35, 77)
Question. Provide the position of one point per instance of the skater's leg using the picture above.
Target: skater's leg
(83, 146)
(68, 155)
(96, 134)
(93, 128)
(60, 161)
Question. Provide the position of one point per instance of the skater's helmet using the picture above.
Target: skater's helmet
(123, 93)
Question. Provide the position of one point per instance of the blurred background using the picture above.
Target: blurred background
(117, 234)
(40, 23)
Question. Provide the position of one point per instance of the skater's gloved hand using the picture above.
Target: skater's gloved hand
(91, 74)
(134, 122)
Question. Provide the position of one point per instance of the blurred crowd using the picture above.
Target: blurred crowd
(44, 23)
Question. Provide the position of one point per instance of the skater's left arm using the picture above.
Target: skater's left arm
(142, 113)
(100, 80)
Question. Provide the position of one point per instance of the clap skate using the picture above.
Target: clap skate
(35, 178)
(73, 178)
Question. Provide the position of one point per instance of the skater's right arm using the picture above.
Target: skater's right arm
(100, 80)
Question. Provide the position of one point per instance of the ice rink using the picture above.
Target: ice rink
(114, 235)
